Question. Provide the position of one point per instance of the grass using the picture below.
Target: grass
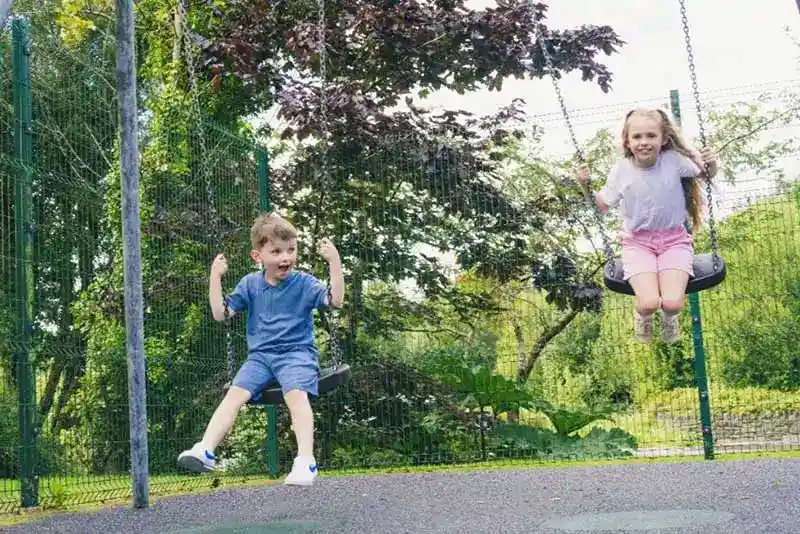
(67, 492)
(163, 487)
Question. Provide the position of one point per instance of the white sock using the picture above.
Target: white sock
(207, 449)
(307, 459)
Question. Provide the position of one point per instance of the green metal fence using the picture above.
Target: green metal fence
(472, 325)
(63, 328)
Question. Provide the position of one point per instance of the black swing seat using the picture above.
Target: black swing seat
(705, 277)
(330, 378)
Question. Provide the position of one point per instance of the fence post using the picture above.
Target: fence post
(262, 169)
(132, 250)
(24, 229)
(697, 334)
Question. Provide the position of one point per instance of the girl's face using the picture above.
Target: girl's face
(644, 139)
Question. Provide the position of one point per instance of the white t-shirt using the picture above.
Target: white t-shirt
(651, 198)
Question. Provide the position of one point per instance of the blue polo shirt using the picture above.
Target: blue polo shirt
(279, 318)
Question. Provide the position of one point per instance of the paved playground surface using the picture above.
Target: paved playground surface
(743, 496)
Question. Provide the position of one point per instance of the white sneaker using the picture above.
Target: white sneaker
(303, 472)
(670, 328)
(197, 459)
(643, 327)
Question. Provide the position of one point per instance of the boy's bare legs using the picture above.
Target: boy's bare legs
(302, 421)
(224, 417)
(304, 469)
(200, 458)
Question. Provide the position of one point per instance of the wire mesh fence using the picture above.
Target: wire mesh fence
(199, 192)
(8, 402)
(476, 322)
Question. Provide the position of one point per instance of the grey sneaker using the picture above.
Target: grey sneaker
(643, 327)
(670, 328)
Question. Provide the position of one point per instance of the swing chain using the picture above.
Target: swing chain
(191, 58)
(609, 254)
(698, 107)
(194, 92)
(333, 337)
(231, 351)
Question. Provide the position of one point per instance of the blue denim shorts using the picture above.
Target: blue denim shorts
(298, 369)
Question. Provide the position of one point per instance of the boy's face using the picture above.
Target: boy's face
(277, 256)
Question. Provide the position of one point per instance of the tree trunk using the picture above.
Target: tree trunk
(513, 415)
(53, 379)
(177, 42)
(525, 371)
(70, 383)
(66, 339)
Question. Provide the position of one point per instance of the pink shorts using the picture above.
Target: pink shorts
(653, 251)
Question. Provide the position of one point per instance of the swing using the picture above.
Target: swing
(330, 377)
(337, 373)
(709, 269)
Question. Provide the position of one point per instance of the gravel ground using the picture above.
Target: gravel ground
(732, 497)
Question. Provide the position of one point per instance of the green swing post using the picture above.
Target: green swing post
(23, 275)
(697, 333)
(271, 443)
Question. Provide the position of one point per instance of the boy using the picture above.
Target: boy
(279, 302)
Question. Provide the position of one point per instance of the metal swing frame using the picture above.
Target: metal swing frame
(709, 269)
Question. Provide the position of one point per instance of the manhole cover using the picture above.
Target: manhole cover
(270, 527)
(639, 520)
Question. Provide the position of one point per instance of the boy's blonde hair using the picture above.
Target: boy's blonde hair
(672, 141)
(269, 227)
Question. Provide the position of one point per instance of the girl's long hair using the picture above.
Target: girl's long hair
(673, 141)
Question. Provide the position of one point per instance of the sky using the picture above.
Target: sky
(735, 43)
(740, 50)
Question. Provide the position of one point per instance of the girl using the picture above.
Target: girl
(648, 186)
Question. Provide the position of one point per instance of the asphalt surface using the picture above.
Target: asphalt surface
(744, 496)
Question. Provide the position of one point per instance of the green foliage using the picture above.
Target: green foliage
(525, 441)
(765, 355)
(244, 452)
(469, 371)
(566, 421)
(50, 456)
(725, 401)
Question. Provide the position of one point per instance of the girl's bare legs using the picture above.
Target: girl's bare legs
(645, 286)
(673, 290)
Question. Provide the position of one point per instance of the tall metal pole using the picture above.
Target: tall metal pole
(23, 253)
(700, 378)
(132, 251)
